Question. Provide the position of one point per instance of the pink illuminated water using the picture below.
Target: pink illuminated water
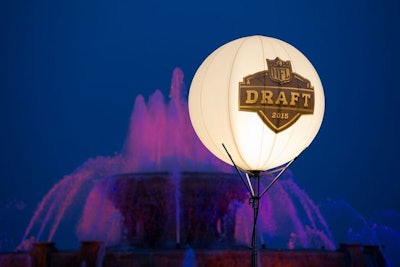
(161, 139)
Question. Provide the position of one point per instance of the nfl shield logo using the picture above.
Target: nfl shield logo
(280, 71)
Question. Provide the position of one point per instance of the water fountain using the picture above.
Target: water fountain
(165, 190)
(165, 184)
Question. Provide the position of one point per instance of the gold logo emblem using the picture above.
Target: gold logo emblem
(278, 95)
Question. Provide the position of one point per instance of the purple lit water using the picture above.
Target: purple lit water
(161, 139)
(382, 228)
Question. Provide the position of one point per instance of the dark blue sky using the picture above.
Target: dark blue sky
(70, 71)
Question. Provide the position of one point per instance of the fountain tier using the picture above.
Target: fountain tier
(201, 210)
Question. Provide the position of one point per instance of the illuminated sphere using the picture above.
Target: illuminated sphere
(261, 98)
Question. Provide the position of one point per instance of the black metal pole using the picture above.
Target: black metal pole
(255, 202)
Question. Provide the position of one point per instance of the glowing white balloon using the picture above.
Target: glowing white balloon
(261, 98)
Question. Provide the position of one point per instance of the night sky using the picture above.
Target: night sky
(71, 70)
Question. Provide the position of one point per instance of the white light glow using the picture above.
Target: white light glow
(214, 105)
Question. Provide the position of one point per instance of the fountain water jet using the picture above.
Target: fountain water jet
(381, 229)
(177, 179)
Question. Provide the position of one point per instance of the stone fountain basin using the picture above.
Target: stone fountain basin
(165, 210)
